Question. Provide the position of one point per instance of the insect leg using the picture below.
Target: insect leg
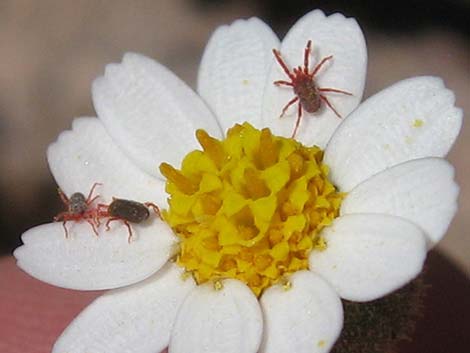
(278, 83)
(324, 60)
(155, 208)
(129, 230)
(308, 49)
(335, 90)
(65, 229)
(125, 223)
(96, 219)
(60, 216)
(277, 55)
(89, 200)
(109, 221)
(327, 102)
(100, 211)
(63, 197)
(288, 105)
(297, 122)
(90, 222)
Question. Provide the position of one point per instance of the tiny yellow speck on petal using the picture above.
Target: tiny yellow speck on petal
(418, 123)
(218, 285)
(321, 343)
(250, 207)
(286, 285)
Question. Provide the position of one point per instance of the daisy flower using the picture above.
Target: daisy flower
(262, 234)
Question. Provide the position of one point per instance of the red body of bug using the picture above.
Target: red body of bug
(78, 209)
(126, 211)
(306, 91)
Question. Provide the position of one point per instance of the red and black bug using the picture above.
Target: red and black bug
(306, 91)
(78, 208)
(126, 211)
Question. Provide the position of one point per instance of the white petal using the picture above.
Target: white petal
(414, 118)
(228, 320)
(89, 262)
(134, 319)
(233, 71)
(307, 318)
(150, 113)
(87, 154)
(422, 191)
(369, 256)
(333, 35)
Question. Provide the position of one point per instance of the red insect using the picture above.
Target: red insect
(126, 211)
(78, 208)
(306, 91)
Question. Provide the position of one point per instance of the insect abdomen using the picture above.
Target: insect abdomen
(309, 96)
(131, 211)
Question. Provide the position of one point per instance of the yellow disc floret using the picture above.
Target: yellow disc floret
(249, 207)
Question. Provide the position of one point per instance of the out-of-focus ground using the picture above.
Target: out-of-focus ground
(51, 51)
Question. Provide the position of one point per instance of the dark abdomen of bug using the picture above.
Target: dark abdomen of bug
(308, 94)
(131, 211)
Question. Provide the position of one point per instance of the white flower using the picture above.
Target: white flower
(387, 155)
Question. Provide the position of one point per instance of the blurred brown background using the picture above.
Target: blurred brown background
(50, 51)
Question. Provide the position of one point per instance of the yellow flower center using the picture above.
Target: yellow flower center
(250, 207)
